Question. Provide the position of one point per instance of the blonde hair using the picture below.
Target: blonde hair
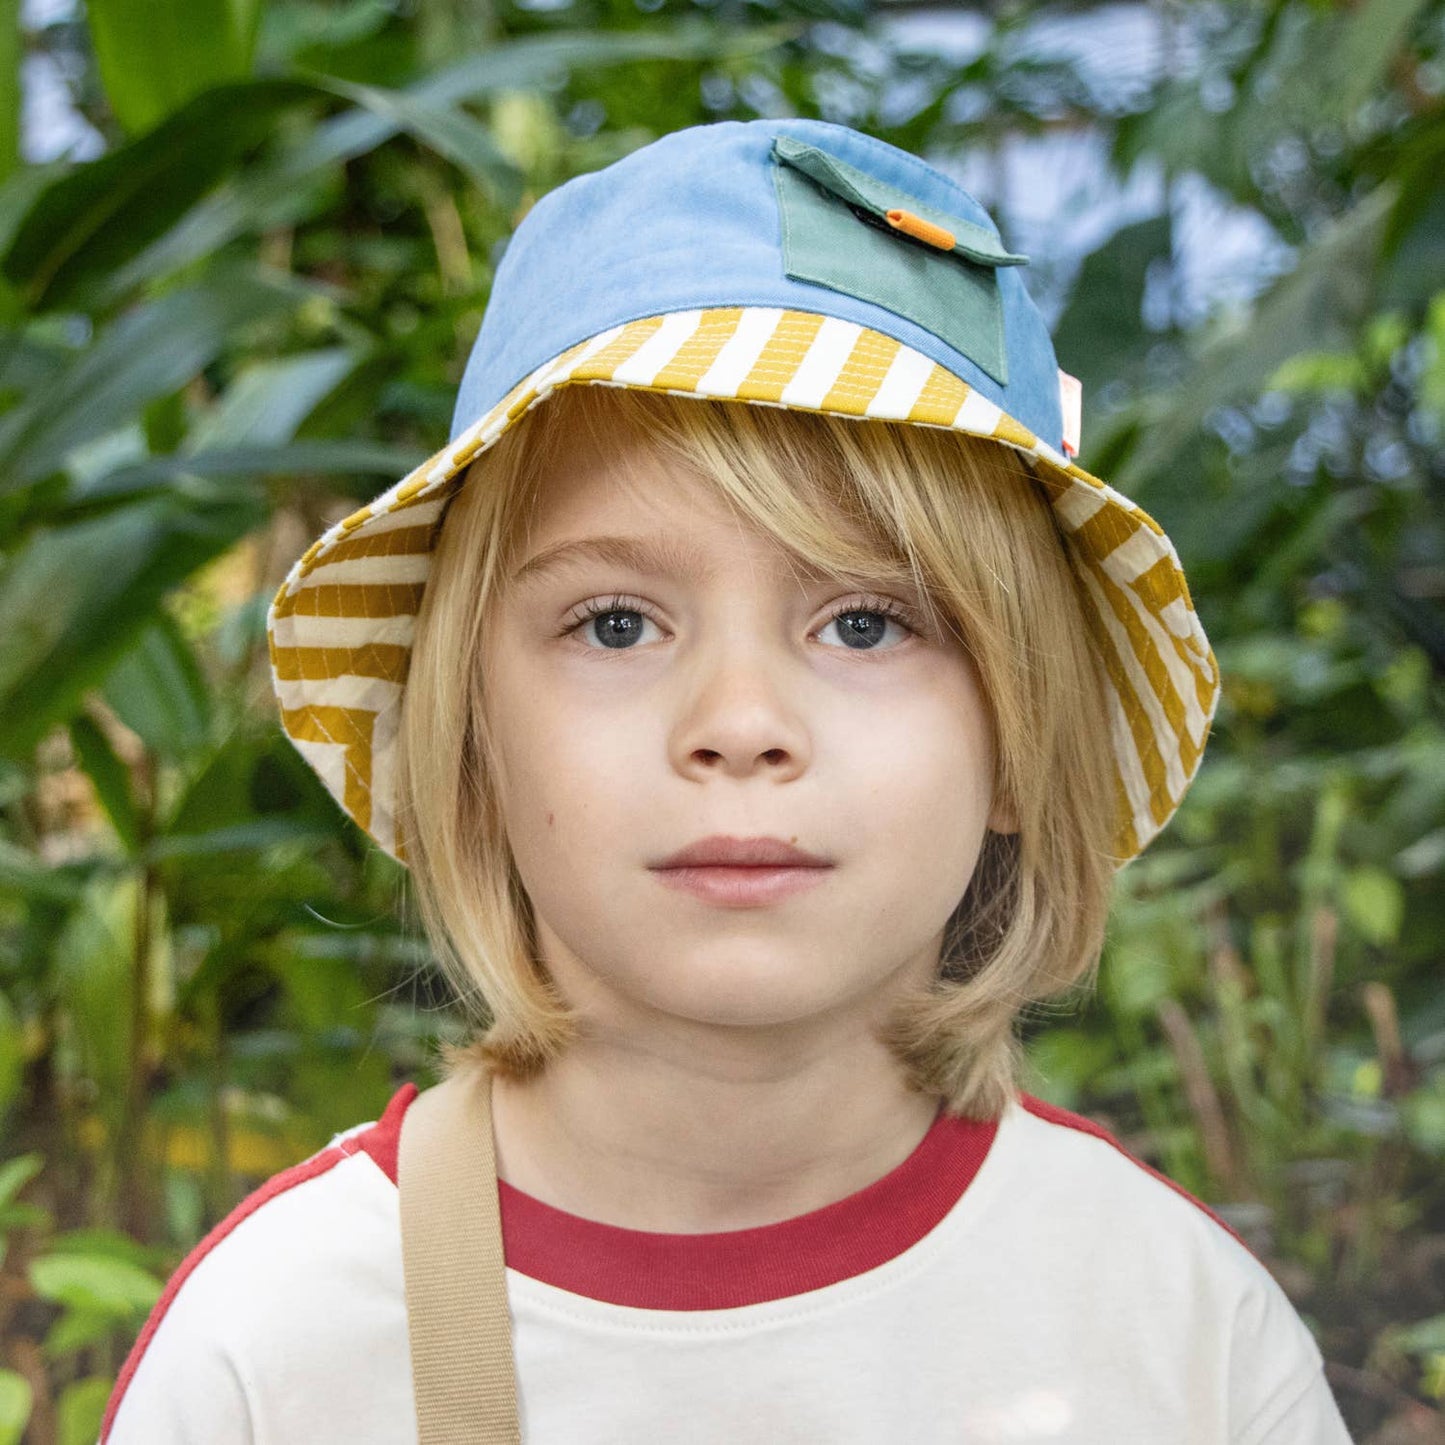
(963, 520)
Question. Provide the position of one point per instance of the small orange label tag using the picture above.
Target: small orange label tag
(1071, 403)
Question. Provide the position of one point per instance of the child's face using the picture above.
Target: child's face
(733, 706)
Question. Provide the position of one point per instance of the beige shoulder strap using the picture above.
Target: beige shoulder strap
(463, 1373)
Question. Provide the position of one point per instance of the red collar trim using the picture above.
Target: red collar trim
(650, 1270)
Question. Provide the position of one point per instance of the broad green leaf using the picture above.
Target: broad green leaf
(76, 599)
(447, 130)
(267, 400)
(1432, 383)
(23, 874)
(15, 1402)
(78, 1328)
(1325, 299)
(81, 1410)
(16, 1173)
(1135, 976)
(508, 65)
(253, 794)
(96, 216)
(241, 838)
(95, 1282)
(1068, 1061)
(1415, 256)
(1101, 334)
(1360, 54)
(1423, 1114)
(148, 352)
(110, 777)
(91, 973)
(103, 1240)
(1426, 1334)
(1318, 371)
(10, 49)
(1374, 901)
(158, 690)
(153, 55)
(18, 194)
(29, 364)
(289, 32)
(195, 475)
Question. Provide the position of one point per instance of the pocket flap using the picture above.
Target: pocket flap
(860, 236)
(876, 199)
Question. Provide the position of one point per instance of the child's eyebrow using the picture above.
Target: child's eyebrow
(661, 556)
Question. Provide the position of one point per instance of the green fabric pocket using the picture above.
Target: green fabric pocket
(835, 234)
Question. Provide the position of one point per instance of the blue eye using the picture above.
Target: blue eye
(617, 608)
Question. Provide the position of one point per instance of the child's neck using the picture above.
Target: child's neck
(630, 1140)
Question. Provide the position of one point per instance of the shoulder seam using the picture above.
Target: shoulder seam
(379, 1139)
(382, 1140)
(310, 1168)
(1065, 1118)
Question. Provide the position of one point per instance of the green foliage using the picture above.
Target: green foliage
(15, 1401)
(250, 313)
(153, 58)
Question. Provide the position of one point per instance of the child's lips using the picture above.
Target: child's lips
(737, 886)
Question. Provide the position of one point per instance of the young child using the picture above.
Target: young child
(762, 731)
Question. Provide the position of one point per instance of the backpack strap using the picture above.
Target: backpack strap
(463, 1373)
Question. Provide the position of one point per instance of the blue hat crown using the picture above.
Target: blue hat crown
(803, 215)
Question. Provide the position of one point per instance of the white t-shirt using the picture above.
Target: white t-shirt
(1020, 1283)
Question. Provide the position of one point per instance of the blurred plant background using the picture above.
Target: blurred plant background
(244, 248)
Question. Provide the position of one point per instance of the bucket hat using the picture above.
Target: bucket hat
(782, 262)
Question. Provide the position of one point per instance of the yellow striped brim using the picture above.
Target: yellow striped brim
(340, 628)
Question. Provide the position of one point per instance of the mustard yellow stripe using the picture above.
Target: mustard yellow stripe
(1006, 429)
(480, 442)
(1158, 677)
(696, 354)
(371, 599)
(1126, 841)
(466, 457)
(1143, 517)
(862, 373)
(360, 515)
(1078, 474)
(1161, 585)
(1105, 530)
(1155, 669)
(1164, 583)
(1137, 513)
(1053, 484)
(780, 358)
(413, 494)
(384, 660)
(939, 401)
(620, 349)
(1158, 585)
(350, 728)
(398, 542)
(1141, 729)
(311, 556)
